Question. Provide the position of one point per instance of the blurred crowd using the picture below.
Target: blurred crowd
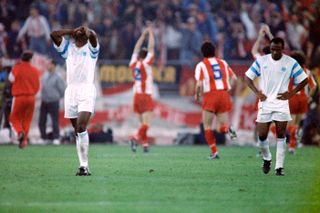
(180, 25)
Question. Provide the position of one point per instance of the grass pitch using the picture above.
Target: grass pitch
(168, 179)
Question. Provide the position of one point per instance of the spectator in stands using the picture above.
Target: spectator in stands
(37, 28)
(191, 41)
(3, 39)
(25, 85)
(15, 48)
(6, 99)
(51, 92)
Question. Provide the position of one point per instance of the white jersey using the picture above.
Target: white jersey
(80, 62)
(274, 79)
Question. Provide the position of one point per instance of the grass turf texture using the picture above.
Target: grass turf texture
(168, 179)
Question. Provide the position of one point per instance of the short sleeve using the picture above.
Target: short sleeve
(254, 71)
(198, 73)
(63, 47)
(297, 73)
(149, 59)
(134, 59)
(94, 51)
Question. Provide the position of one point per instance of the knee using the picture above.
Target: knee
(81, 127)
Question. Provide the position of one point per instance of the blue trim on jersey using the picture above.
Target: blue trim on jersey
(297, 73)
(255, 71)
(258, 65)
(294, 66)
(93, 56)
(65, 48)
(94, 52)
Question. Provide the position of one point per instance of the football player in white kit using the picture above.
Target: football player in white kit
(80, 48)
(275, 71)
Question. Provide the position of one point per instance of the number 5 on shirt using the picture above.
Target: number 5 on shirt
(216, 71)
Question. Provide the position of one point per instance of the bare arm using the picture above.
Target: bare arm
(264, 30)
(198, 91)
(92, 36)
(150, 41)
(287, 95)
(57, 35)
(139, 43)
(251, 85)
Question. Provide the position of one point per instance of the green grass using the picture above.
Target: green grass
(168, 179)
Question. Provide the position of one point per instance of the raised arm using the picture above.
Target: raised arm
(264, 30)
(139, 43)
(57, 35)
(150, 41)
(92, 36)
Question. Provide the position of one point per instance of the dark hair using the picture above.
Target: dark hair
(208, 49)
(143, 53)
(277, 40)
(27, 55)
(299, 57)
(266, 50)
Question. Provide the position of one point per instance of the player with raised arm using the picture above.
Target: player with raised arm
(298, 104)
(80, 48)
(275, 71)
(213, 77)
(140, 64)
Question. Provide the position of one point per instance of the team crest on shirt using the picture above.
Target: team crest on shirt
(283, 69)
(84, 53)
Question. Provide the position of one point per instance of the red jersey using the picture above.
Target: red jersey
(215, 74)
(26, 79)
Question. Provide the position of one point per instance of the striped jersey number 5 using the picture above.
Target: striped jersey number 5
(216, 71)
(137, 74)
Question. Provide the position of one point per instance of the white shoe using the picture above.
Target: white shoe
(56, 142)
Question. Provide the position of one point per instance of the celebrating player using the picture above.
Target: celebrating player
(298, 104)
(275, 70)
(81, 55)
(140, 65)
(212, 75)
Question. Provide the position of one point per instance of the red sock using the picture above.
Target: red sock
(211, 140)
(224, 128)
(292, 131)
(142, 134)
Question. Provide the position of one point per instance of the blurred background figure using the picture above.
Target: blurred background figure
(52, 91)
(37, 28)
(25, 85)
(6, 97)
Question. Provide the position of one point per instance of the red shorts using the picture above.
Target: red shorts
(298, 104)
(142, 103)
(217, 101)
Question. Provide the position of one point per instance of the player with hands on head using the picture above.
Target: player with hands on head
(80, 48)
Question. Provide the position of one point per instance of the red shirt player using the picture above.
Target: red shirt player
(299, 102)
(140, 64)
(25, 85)
(213, 76)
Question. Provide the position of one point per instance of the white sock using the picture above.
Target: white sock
(281, 149)
(264, 145)
(78, 149)
(83, 138)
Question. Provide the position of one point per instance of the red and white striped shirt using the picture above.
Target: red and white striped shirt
(142, 73)
(214, 73)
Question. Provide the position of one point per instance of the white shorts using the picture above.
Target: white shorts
(266, 116)
(79, 98)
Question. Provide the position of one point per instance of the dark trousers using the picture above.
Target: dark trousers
(52, 109)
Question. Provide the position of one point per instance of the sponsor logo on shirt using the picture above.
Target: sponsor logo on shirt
(283, 69)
